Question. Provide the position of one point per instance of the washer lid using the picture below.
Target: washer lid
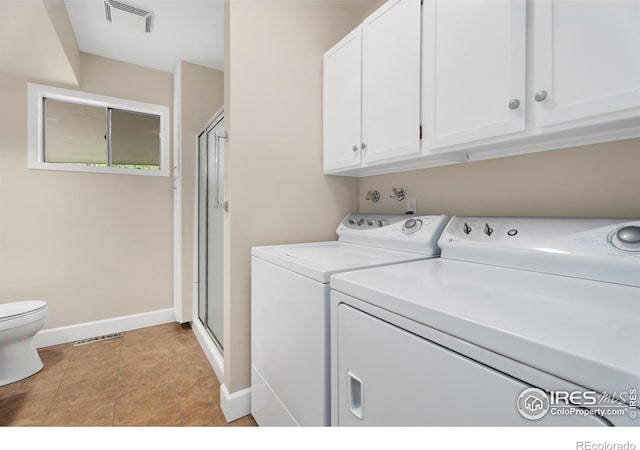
(15, 309)
(319, 260)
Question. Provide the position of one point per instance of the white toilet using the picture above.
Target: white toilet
(19, 322)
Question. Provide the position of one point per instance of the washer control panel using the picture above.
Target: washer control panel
(365, 221)
(416, 234)
(599, 249)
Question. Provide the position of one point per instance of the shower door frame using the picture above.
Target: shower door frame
(211, 124)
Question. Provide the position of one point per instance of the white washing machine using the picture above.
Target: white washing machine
(521, 321)
(290, 309)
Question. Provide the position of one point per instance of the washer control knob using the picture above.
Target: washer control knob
(488, 230)
(380, 222)
(369, 222)
(360, 222)
(629, 235)
(411, 226)
(512, 232)
(466, 228)
(352, 221)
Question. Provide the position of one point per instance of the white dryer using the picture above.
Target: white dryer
(521, 321)
(290, 309)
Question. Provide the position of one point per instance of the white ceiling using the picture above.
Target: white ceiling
(187, 30)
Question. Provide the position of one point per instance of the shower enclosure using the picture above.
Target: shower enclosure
(211, 209)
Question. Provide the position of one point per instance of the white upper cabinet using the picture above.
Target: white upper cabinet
(342, 103)
(474, 59)
(480, 79)
(391, 81)
(586, 59)
(372, 90)
(503, 77)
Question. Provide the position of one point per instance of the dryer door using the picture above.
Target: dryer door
(390, 377)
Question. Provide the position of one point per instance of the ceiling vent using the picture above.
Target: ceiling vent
(128, 15)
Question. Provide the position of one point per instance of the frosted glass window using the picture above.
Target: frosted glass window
(84, 135)
(135, 140)
(77, 131)
(97, 136)
(75, 134)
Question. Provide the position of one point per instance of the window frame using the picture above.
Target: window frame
(38, 92)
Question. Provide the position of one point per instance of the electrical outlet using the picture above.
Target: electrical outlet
(411, 205)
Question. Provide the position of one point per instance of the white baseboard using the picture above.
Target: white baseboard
(236, 405)
(209, 348)
(71, 333)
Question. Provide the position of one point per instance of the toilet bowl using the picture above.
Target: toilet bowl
(19, 322)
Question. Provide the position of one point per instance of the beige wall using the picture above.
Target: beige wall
(94, 246)
(61, 23)
(593, 181)
(275, 186)
(51, 54)
(202, 94)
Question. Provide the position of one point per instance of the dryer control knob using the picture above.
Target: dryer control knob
(488, 230)
(360, 222)
(629, 235)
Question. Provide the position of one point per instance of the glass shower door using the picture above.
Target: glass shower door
(211, 230)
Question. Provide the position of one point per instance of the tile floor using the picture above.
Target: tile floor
(156, 376)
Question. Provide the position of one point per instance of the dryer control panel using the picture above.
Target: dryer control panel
(599, 249)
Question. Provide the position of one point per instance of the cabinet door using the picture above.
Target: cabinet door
(342, 103)
(390, 377)
(391, 81)
(474, 61)
(586, 58)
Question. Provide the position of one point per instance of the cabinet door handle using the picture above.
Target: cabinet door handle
(355, 148)
(356, 395)
(540, 96)
(514, 103)
(363, 146)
